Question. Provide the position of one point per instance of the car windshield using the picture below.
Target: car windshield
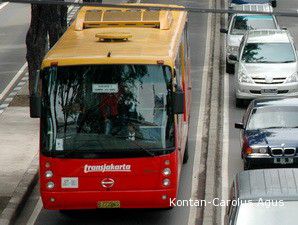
(276, 213)
(268, 53)
(251, 22)
(106, 108)
(273, 117)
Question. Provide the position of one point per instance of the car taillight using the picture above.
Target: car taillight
(246, 148)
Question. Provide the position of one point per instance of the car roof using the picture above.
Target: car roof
(275, 102)
(268, 184)
(250, 1)
(254, 7)
(268, 36)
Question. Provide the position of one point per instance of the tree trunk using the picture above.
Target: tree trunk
(46, 21)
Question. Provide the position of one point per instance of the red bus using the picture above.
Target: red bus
(114, 110)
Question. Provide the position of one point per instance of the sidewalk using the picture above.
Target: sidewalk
(19, 139)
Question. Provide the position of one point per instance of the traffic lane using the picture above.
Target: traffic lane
(14, 23)
(178, 215)
(235, 116)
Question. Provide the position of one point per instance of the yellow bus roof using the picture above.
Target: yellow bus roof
(102, 35)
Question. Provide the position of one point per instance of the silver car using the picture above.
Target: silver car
(240, 23)
(266, 66)
(264, 197)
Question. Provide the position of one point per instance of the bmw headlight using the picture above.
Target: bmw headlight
(244, 78)
(232, 49)
(259, 149)
(293, 78)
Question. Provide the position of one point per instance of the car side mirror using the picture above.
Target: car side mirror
(274, 3)
(35, 99)
(178, 102)
(239, 126)
(223, 30)
(233, 58)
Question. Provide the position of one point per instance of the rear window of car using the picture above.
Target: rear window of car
(273, 117)
(241, 24)
(268, 53)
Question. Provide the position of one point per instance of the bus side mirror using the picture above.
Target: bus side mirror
(274, 3)
(178, 102)
(35, 99)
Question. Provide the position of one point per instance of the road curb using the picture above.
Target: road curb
(20, 194)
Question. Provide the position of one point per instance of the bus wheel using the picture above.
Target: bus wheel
(186, 156)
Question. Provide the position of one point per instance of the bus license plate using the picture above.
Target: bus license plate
(283, 161)
(108, 204)
(269, 91)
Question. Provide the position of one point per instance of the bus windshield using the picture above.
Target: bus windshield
(105, 109)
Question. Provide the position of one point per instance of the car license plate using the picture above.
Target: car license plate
(269, 91)
(108, 204)
(283, 161)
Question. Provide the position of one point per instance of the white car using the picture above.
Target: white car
(266, 65)
(240, 23)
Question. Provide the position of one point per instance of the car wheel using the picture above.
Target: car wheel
(239, 102)
(185, 156)
(230, 68)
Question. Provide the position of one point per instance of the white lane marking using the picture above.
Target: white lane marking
(2, 5)
(197, 157)
(225, 147)
(225, 143)
(35, 212)
(12, 82)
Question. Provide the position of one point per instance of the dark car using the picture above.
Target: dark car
(269, 133)
(272, 2)
(264, 197)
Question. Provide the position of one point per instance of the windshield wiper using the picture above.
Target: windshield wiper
(287, 61)
(276, 127)
(137, 145)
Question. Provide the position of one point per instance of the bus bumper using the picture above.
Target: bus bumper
(93, 199)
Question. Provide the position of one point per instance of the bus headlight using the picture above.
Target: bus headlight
(166, 172)
(166, 182)
(48, 174)
(50, 185)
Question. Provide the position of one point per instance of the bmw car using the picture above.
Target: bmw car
(269, 132)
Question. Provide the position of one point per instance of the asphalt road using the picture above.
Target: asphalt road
(235, 164)
(178, 215)
(14, 23)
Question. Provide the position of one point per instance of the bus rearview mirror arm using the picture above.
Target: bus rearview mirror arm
(178, 102)
(35, 98)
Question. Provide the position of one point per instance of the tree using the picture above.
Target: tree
(48, 23)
